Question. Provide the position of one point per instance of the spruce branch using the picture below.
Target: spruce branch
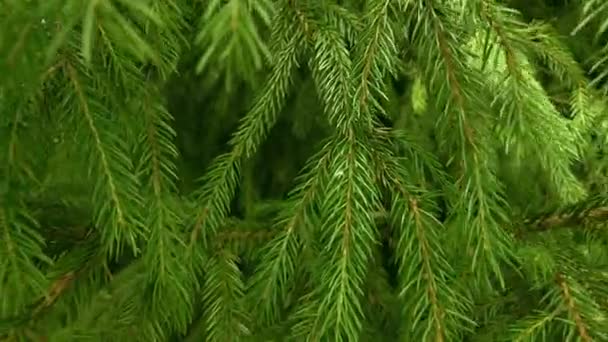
(224, 312)
(302, 321)
(286, 44)
(585, 113)
(349, 231)
(524, 103)
(545, 42)
(573, 308)
(61, 278)
(158, 168)
(375, 60)
(582, 214)
(592, 9)
(111, 309)
(425, 273)
(115, 190)
(219, 186)
(104, 17)
(348, 227)
(21, 244)
(277, 269)
(56, 289)
(20, 251)
(569, 290)
(437, 312)
(168, 37)
(534, 326)
(481, 208)
(11, 325)
(169, 280)
(593, 14)
(344, 19)
(386, 234)
(331, 71)
(231, 35)
(221, 180)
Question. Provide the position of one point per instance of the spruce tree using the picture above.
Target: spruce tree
(306, 170)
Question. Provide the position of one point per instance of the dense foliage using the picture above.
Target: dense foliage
(321, 170)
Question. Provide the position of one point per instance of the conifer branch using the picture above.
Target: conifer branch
(376, 59)
(524, 103)
(349, 232)
(119, 27)
(168, 278)
(113, 310)
(348, 227)
(224, 312)
(348, 23)
(237, 46)
(572, 308)
(461, 94)
(57, 288)
(219, 186)
(303, 320)
(425, 272)
(117, 223)
(277, 269)
(437, 310)
(168, 37)
(585, 113)
(332, 69)
(20, 250)
(21, 245)
(59, 280)
(545, 42)
(443, 125)
(533, 326)
(590, 12)
(580, 214)
(220, 182)
(261, 117)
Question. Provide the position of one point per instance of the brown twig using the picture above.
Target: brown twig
(572, 308)
(572, 219)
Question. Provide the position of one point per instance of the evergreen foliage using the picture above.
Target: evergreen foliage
(307, 170)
